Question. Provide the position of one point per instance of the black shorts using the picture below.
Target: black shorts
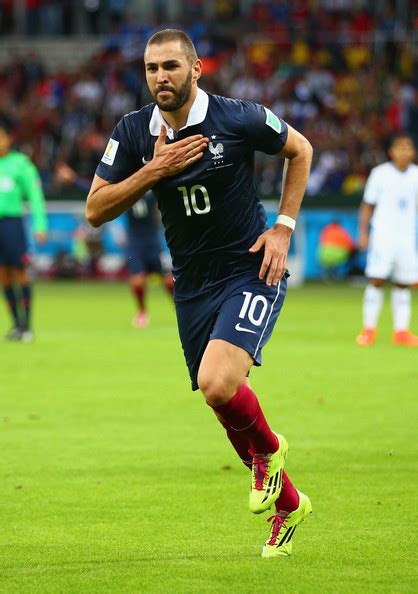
(242, 312)
(13, 244)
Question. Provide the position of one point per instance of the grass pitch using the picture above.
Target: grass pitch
(115, 477)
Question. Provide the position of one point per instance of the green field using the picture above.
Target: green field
(115, 477)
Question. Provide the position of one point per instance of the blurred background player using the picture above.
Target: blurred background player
(19, 179)
(145, 253)
(390, 205)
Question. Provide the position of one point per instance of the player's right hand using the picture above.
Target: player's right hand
(41, 237)
(363, 241)
(65, 174)
(275, 243)
(175, 157)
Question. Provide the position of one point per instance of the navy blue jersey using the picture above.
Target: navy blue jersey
(211, 212)
(143, 219)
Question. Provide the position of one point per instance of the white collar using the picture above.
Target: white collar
(196, 115)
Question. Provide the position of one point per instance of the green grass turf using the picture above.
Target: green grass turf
(115, 477)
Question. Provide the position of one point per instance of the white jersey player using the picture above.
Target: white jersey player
(390, 205)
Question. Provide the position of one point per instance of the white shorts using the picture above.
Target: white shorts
(394, 260)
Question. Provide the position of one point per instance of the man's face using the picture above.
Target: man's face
(5, 141)
(402, 152)
(169, 75)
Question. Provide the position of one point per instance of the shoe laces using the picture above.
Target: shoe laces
(277, 523)
(261, 470)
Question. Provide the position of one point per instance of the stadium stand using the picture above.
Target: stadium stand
(344, 76)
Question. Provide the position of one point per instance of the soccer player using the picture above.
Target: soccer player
(196, 151)
(145, 253)
(19, 179)
(390, 205)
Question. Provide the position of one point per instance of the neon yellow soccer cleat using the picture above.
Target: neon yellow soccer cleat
(283, 528)
(267, 478)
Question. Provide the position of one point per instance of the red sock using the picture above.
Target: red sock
(169, 284)
(289, 498)
(243, 414)
(239, 441)
(139, 293)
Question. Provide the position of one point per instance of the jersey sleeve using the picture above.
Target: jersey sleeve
(118, 161)
(264, 130)
(32, 189)
(371, 189)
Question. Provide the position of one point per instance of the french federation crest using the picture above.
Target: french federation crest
(216, 150)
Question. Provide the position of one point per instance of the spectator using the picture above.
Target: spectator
(336, 247)
(338, 73)
(93, 9)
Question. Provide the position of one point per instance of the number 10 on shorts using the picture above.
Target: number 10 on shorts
(251, 305)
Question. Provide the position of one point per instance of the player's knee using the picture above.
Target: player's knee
(6, 277)
(138, 281)
(217, 391)
(22, 276)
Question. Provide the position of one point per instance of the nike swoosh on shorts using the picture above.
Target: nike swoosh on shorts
(240, 329)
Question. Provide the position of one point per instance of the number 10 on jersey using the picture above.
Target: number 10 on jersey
(190, 201)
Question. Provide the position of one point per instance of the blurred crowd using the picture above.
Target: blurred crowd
(342, 72)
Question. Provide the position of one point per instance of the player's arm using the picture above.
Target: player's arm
(276, 241)
(32, 188)
(365, 214)
(66, 175)
(372, 191)
(106, 201)
(298, 157)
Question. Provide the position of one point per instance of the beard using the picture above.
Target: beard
(179, 97)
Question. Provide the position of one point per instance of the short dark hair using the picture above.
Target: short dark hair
(167, 35)
(6, 123)
(399, 136)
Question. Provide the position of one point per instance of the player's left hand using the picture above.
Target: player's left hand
(276, 242)
(65, 174)
(41, 237)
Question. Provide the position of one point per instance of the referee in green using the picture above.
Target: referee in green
(19, 180)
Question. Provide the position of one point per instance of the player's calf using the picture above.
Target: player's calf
(267, 477)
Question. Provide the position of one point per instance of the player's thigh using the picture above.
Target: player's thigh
(21, 275)
(151, 257)
(377, 282)
(195, 320)
(154, 262)
(136, 259)
(6, 275)
(158, 260)
(248, 315)
(380, 259)
(13, 244)
(223, 369)
(405, 267)
(10, 275)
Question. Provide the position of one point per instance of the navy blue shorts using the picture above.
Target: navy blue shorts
(243, 312)
(13, 244)
(145, 257)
